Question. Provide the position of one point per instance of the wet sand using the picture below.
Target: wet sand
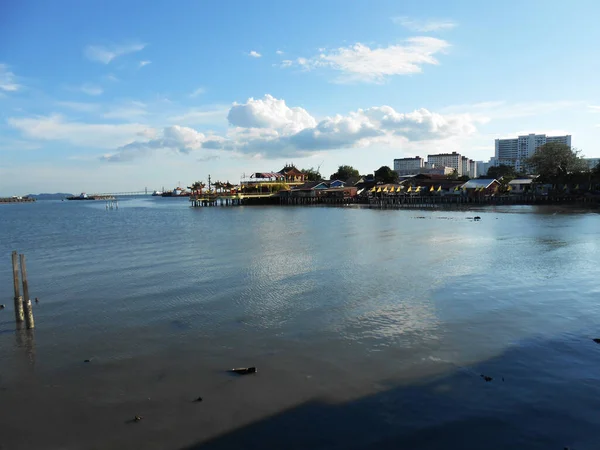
(92, 405)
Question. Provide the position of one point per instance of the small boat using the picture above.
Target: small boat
(244, 370)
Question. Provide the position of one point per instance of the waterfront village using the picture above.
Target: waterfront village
(510, 177)
(441, 178)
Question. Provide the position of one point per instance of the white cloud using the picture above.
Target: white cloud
(198, 92)
(215, 115)
(424, 26)
(594, 108)
(80, 106)
(360, 63)
(269, 112)
(18, 145)
(175, 138)
(90, 89)
(279, 52)
(56, 128)
(267, 127)
(501, 110)
(105, 54)
(128, 111)
(7, 80)
(286, 63)
(144, 63)
(254, 54)
(112, 77)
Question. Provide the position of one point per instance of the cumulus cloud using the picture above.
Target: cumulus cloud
(105, 54)
(360, 63)
(271, 134)
(254, 54)
(269, 112)
(176, 138)
(7, 80)
(424, 26)
(268, 127)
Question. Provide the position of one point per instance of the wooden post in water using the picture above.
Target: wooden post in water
(26, 300)
(19, 315)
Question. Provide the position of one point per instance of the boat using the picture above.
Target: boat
(177, 192)
(84, 196)
(157, 193)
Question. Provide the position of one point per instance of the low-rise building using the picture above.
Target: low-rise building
(292, 175)
(481, 186)
(520, 185)
(406, 166)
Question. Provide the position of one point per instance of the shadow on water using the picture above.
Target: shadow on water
(543, 395)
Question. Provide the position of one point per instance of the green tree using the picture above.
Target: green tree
(453, 175)
(386, 175)
(555, 162)
(312, 174)
(501, 171)
(344, 173)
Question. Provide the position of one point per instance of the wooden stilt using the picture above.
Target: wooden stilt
(19, 314)
(27, 309)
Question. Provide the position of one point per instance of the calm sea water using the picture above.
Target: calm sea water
(369, 328)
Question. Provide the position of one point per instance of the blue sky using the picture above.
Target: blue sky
(122, 95)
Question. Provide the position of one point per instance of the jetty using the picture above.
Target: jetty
(17, 199)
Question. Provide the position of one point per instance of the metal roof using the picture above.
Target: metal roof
(479, 183)
(521, 181)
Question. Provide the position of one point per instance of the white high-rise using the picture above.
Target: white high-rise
(514, 152)
(453, 160)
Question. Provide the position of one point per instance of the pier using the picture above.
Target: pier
(229, 199)
(16, 200)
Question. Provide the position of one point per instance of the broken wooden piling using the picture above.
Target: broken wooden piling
(27, 309)
(19, 313)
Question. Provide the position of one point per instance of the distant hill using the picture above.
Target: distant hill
(57, 196)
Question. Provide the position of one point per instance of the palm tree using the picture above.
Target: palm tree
(197, 186)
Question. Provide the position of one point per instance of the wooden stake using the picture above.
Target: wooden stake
(26, 300)
(19, 314)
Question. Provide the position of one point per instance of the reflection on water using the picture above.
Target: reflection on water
(329, 302)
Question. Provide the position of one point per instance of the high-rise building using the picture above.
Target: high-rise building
(453, 160)
(473, 173)
(514, 152)
(482, 167)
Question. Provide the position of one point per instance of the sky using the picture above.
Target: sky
(116, 96)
